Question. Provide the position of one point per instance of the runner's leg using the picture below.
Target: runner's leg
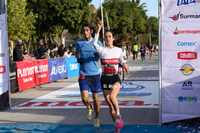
(96, 104)
(113, 95)
(85, 98)
(106, 94)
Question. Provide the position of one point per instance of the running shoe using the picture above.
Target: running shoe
(96, 122)
(89, 114)
(117, 130)
(119, 121)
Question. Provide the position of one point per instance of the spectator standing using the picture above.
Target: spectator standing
(51, 53)
(17, 52)
(26, 56)
(55, 51)
(42, 50)
(46, 54)
(37, 53)
(67, 53)
(61, 50)
(70, 47)
(46, 47)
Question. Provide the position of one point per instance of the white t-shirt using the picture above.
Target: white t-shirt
(111, 57)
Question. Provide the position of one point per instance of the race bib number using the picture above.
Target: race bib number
(109, 70)
(81, 76)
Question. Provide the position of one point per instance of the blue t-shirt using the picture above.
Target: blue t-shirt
(86, 51)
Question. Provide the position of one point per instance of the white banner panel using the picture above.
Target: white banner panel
(4, 68)
(180, 49)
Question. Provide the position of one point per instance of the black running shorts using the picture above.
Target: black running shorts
(108, 81)
(120, 65)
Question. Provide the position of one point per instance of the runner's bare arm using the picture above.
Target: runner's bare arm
(96, 46)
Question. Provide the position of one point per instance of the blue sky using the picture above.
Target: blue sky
(152, 6)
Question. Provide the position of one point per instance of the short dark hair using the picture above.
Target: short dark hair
(91, 28)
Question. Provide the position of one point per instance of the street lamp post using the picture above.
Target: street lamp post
(103, 23)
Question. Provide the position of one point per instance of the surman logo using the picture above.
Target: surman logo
(175, 17)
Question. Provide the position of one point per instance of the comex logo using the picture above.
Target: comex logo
(187, 99)
(186, 43)
(187, 85)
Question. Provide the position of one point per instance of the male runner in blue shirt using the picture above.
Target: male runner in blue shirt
(89, 77)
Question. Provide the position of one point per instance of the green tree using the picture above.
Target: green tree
(56, 16)
(153, 26)
(125, 16)
(20, 21)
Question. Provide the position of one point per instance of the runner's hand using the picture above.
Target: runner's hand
(100, 23)
(126, 67)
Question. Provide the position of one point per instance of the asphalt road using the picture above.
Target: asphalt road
(145, 116)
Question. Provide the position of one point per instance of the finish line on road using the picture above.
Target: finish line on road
(133, 94)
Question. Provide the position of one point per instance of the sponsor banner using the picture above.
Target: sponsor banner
(4, 62)
(179, 52)
(72, 66)
(57, 69)
(186, 7)
(25, 74)
(133, 94)
(41, 71)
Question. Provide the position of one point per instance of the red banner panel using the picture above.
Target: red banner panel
(41, 71)
(25, 74)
